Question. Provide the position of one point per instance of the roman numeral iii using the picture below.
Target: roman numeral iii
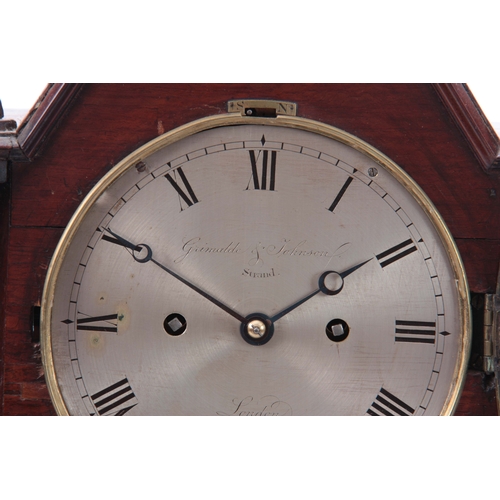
(185, 193)
(116, 400)
(422, 332)
(267, 178)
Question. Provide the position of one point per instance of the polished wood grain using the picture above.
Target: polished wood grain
(29, 138)
(468, 115)
(28, 257)
(4, 241)
(478, 396)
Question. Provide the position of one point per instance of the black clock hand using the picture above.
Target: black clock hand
(322, 287)
(278, 316)
(149, 257)
(118, 240)
(234, 314)
(354, 268)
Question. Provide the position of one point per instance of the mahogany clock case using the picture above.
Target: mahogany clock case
(77, 133)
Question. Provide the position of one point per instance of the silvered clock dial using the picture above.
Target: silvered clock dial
(256, 266)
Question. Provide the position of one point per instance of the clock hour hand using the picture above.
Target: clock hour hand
(329, 283)
(142, 253)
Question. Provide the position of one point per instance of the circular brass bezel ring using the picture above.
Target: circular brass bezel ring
(295, 122)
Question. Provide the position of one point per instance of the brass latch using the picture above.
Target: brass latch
(262, 108)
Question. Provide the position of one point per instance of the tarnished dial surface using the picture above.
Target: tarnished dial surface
(255, 269)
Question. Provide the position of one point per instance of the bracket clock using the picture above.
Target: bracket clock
(253, 250)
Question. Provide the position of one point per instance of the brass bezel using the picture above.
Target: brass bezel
(282, 121)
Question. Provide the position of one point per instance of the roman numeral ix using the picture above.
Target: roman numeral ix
(111, 401)
(106, 323)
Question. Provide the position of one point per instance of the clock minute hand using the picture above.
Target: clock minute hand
(219, 304)
(333, 288)
(149, 257)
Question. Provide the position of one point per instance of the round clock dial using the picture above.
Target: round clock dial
(256, 266)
